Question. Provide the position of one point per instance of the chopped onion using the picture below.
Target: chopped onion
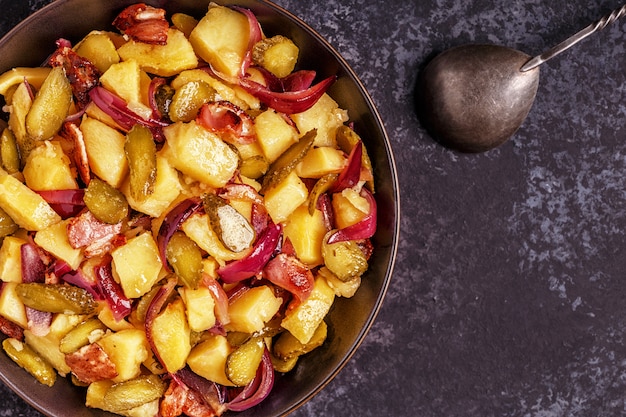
(258, 389)
(361, 230)
(255, 36)
(252, 264)
(33, 267)
(172, 222)
(67, 203)
(289, 102)
(118, 110)
(212, 394)
(351, 173)
(220, 297)
(154, 309)
(112, 291)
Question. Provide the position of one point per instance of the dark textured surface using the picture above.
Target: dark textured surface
(509, 297)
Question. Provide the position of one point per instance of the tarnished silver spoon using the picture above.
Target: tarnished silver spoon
(475, 97)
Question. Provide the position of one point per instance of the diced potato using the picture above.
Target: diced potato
(50, 106)
(137, 264)
(221, 38)
(11, 259)
(11, 306)
(99, 49)
(198, 230)
(200, 308)
(105, 151)
(127, 349)
(349, 208)
(54, 239)
(306, 233)
(124, 79)
(27, 208)
(171, 336)
(303, 320)
(208, 359)
(106, 316)
(250, 311)
(325, 116)
(162, 60)
(200, 154)
(48, 168)
(284, 198)
(48, 347)
(321, 161)
(167, 188)
(34, 76)
(274, 134)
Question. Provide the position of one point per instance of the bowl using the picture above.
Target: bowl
(30, 43)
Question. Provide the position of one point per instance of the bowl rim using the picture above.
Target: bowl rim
(23, 393)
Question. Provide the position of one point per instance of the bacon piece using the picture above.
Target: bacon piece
(232, 123)
(11, 329)
(74, 135)
(179, 399)
(97, 237)
(289, 273)
(91, 363)
(143, 23)
(82, 74)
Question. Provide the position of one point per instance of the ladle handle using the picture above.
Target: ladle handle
(574, 39)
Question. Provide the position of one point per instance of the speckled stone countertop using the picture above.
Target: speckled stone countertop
(509, 294)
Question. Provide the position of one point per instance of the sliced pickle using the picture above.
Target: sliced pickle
(9, 152)
(50, 106)
(163, 98)
(288, 160)
(185, 257)
(106, 203)
(254, 167)
(184, 23)
(56, 298)
(284, 365)
(140, 152)
(133, 393)
(346, 139)
(321, 186)
(231, 227)
(344, 259)
(277, 54)
(83, 334)
(287, 346)
(188, 99)
(7, 225)
(243, 362)
(28, 359)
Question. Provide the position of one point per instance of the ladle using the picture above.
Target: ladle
(474, 97)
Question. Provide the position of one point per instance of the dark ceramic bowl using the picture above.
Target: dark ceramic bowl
(30, 42)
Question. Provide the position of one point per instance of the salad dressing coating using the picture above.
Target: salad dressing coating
(180, 205)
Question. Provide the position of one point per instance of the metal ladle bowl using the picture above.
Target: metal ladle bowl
(474, 97)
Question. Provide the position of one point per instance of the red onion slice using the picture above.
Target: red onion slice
(112, 291)
(117, 109)
(172, 222)
(221, 299)
(153, 311)
(228, 120)
(252, 264)
(212, 394)
(67, 203)
(289, 102)
(33, 267)
(255, 36)
(350, 175)
(361, 230)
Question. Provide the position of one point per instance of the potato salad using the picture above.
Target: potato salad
(180, 205)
